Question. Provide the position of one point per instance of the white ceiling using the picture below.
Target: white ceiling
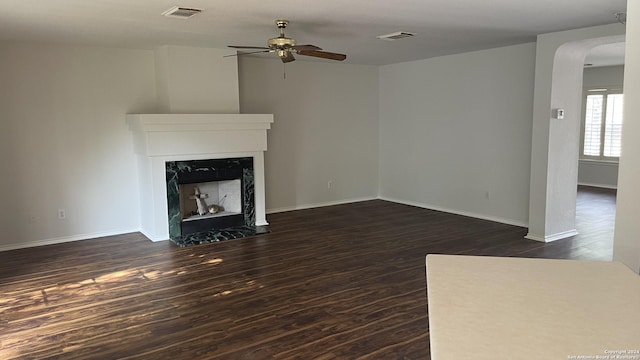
(442, 26)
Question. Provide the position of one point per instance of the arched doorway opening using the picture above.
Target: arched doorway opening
(555, 141)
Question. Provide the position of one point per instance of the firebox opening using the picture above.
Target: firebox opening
(210, 199)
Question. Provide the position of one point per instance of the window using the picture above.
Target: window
(602, 126)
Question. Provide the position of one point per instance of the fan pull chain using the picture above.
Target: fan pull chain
(284, 71)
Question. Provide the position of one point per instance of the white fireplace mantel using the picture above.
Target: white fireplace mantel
(159, 138)
(177, 134)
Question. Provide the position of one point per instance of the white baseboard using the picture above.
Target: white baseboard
(279, 210)
(554, 237)
(153, 238)
(65, 239)
(604, 186)
(317, 205)
(457, 212)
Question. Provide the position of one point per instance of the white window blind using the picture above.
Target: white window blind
(613, 125)
(593, 125)
(602, 135)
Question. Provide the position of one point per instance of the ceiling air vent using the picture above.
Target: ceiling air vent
(181, 12)
(395, 36)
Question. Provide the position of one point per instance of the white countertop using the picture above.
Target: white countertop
(515, 308)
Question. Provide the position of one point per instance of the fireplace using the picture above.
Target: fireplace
(216, 153)
(210, 200)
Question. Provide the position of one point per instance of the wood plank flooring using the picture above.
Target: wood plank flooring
(341, 282)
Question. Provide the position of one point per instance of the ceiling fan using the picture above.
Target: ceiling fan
(285, 47)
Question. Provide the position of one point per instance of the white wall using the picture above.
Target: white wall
(455, 132)
(604, 76)
(64, 142)
(193, 80)
(598, 173)
(626, 246)
(555, 143)
(325, 129)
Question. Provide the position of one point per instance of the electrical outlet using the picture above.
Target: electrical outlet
(62, 214)
(487, 195)
(329, 184)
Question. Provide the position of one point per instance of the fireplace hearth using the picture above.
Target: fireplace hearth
(211, 200)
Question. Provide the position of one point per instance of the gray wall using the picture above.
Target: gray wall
(451, 133)
(325, 129)
(455, 132)
(64, 143)
(603, 76)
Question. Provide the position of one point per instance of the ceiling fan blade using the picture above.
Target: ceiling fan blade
(306, 47)
(248, 53)
(288, 57)
(323, 54)
(247, 47)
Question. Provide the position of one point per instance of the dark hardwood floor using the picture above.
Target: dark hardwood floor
(340, 282)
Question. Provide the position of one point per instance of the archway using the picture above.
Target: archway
(555, 142)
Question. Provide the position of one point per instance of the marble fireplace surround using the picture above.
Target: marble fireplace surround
(162, 138)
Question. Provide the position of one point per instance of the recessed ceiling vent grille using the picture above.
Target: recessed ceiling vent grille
(181, 12)
(395, 36)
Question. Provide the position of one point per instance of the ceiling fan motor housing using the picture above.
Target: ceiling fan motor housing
(281, 43)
